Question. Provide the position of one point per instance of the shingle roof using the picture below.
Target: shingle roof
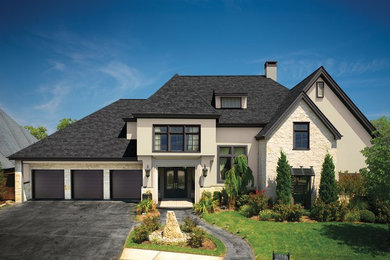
(99, 136)
(13, 137)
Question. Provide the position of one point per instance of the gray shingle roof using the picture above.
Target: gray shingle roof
(13, 138)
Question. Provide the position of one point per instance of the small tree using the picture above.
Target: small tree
(283, 180)
(238, 178)
(328, 186)
(65, 122)
(39, 132)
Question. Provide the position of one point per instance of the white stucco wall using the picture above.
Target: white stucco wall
(131, 130)
(355, 137)
(321, 142)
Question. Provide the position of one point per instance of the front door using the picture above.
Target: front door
(175, 183)
(302, 190)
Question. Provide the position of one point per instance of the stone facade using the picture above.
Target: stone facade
(321, 142)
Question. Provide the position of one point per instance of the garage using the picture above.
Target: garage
(87, 184)
(48, 184)
(126, 184)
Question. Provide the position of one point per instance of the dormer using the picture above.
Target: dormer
(231, 100)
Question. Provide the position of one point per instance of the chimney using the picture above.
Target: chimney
(270, 68)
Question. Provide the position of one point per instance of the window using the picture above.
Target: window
(226, 155)
(176, 138)
(301, 136)
(320, 89)
(230, 102)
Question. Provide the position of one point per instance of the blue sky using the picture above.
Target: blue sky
(69, 58)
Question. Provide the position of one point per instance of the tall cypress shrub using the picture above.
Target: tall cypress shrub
(328, 186)
(283, 180)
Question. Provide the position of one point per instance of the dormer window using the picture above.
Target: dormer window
(320, 89)
(230, 102)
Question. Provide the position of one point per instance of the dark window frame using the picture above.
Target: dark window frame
(318, 85)
(184, 133)
(308, 135)
(231, 155)
(222, 97)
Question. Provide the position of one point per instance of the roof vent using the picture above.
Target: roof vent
(270, 68)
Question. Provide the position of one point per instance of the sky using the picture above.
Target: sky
(68, 58)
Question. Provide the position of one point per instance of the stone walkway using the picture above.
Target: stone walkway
(141, 254)
(236, 247)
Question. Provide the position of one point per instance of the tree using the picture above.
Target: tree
(378, 161)
(40, 132)
(283, 180)
(65, 122)
(238, 178)
(328, 186)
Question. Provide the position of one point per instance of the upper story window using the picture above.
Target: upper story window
(230, 102)
(226, 155)
(176, 138)
(320, 89)
(301, 136)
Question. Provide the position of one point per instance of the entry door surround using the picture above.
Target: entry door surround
(175, 182)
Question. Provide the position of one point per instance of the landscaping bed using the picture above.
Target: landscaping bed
(321, 240)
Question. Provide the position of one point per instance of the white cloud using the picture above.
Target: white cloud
(57, 95)
(127, 77)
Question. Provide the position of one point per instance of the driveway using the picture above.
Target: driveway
(65, 229)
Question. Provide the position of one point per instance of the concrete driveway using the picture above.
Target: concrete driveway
(65, 229)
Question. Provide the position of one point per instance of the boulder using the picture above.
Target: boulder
(172, 228)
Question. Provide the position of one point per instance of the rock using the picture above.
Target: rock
(172, 228)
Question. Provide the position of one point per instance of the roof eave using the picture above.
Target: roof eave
(174, 115)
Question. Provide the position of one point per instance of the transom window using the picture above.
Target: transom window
(301, 136)
(226, 155)
(176, 138)
(230, 102)
(320, 89)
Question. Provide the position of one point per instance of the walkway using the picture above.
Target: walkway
(141, 254)
(236, 247)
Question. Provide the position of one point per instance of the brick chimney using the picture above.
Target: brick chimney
(270, 68)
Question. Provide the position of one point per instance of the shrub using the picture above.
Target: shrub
(224, 198)
(281, 212)
(242, 200)
(382, 211)
(141, 234)
(328, 186)
(145, 206)
(352, 216)
(189, 224)
(217, 196)
(367, 216)
(266, 214)
(246, 211)
(206, 204)
(258, 201)
(358, 203)
(152, 223)
(296, 212)
(351, 184)
(283, 180)
(328, 212)
(196, 238)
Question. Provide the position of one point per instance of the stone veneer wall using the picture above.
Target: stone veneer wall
(321, 142)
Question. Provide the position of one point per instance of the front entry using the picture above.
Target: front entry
(175, 183)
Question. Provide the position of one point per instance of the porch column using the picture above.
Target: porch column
(67, 184)
(154, 175)
(198, 180)
(106, 184)
(19, 197)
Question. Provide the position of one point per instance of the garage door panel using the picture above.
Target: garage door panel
(126, 184)
(48, 184)
(87, 184)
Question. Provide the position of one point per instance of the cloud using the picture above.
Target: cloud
(125, 76)
(57, 95)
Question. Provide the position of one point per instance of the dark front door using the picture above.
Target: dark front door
(301, 190)
(175, 183)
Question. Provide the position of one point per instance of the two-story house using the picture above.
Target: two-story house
(183, 139)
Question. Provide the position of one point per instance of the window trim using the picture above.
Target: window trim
(317, 88)
(308, 135)
(231, 155)
(169, 138)
(221, 97)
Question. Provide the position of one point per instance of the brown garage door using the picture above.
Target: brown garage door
(126, 184)
(87, 184)
(48, 184)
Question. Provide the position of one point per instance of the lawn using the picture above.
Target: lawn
(219, 251)
(307, 240)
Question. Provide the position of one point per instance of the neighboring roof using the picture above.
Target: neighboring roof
(13, 138)
(99, 136)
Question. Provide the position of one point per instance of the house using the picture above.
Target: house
(13, 138)
(183, 139)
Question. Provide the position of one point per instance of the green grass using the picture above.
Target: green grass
(219, 251)
(332, 240)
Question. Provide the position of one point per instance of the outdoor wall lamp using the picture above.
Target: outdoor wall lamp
(147, 171)
(205, 171)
